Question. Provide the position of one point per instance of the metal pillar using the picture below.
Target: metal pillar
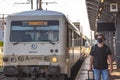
(111, 42)
(39, 4)
(117, 41)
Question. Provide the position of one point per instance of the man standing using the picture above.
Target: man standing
(99, 55)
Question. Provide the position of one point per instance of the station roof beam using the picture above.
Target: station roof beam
(99, 10)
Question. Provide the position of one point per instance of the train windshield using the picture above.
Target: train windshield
(34, 31)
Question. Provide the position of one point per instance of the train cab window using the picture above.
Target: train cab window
(34, 31)
(84, 42)
(50, 34)
(19, 34)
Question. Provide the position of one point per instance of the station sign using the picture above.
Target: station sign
(105, 26)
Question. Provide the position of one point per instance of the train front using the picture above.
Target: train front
(33, 46)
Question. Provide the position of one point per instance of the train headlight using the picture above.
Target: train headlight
(54, 59)
(67, 60)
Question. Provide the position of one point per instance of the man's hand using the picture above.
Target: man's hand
(110, 61)
(91, 63)
(111, 68)
(90, 68)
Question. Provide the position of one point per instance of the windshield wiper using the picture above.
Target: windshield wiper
(15, 43)
(50, 41)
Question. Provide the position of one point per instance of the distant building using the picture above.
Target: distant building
(2, 24)
(1, 30)
(77, 24)
(1, 35)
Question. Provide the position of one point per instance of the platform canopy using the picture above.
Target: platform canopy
(102, 11)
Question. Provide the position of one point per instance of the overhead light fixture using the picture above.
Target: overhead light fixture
(96, 19)
(102, 1)
(100, 9)
(99, 15)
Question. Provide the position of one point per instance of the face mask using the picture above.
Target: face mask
(99, 40)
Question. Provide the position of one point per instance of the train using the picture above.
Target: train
(40, 43)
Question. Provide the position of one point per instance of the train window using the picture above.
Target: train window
(84, 42)
(69, 37)
(37, 31)
(47, 33)
(75, 36)
(87, 44)
(20, 34)
(76, 39)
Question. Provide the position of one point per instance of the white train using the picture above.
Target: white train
(41, 43)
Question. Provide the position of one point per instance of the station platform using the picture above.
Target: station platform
(83, 75)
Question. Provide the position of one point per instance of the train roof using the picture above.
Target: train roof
(37, 13)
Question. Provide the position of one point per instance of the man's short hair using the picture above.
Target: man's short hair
(99, 34)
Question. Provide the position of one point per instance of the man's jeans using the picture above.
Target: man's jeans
(98, 73)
